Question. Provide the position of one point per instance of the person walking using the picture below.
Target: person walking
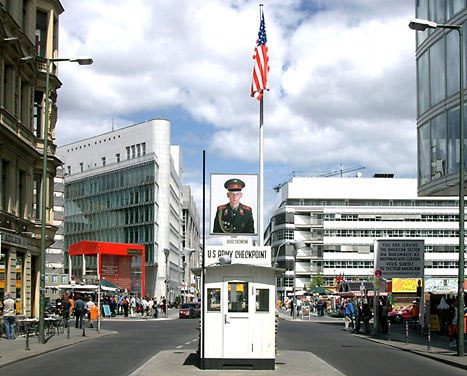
(453, 313)
(366, 315)
(79, 311)
(132, 306)
(89, 305)
(349, 312)
(358, 317)
(66, 310)
(155, 308)
(125, 306)
(299, 307)
(9, 316)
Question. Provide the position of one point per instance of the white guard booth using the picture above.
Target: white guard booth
(239, 309)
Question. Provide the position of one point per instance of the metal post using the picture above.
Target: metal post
(460, 338)
(27, 338)
(166, 252)
(406, 333)
(429, 337)
(389, 330)
(68, 327)
(44, 209)
(294, 302)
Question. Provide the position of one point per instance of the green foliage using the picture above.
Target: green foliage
(317, 281)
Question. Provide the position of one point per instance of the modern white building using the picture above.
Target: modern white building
(125, 186)
(339, 219)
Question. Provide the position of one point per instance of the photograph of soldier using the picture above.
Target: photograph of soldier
(234, 217)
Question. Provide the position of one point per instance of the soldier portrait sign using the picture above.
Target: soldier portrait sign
(234, 204)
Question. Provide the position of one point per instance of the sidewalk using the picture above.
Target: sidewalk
(417, 343)
(12, 351)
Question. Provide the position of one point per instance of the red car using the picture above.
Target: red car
(405, 314)
(190, 310)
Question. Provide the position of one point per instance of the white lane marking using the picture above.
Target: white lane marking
(187, 343)
(178, 347)
(196, 339)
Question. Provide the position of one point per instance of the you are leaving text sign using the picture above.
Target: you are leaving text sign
(400, 258)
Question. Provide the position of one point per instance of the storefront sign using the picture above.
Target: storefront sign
(260, 256)
(400, 258)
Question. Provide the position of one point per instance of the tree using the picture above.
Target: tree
(316, 281)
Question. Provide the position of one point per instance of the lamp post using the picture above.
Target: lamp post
(298, 244)
(421, 25)
(81, 61)
(166, 253)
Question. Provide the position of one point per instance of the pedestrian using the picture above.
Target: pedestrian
(299, 307)
(79, 311)
(89, 305)
(144, 306)
(366, 315)
(453, 313)
(66, 310)
(319, 306)
(9, 316)
(125, 304)
(155, 308)
(292, 306)
(358, 317)
(164, 305)
(349, 312)
(132, 306)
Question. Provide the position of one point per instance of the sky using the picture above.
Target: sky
(342, 83)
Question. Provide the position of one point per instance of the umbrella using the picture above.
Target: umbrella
(319, 290)
(106, 283)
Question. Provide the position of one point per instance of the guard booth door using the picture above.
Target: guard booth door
(236, 314)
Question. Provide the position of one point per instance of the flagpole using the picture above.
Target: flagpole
(261, 163)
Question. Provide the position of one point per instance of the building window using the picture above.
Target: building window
(69, 170)
(4, 184)
(133, 151)
(37, 196)
(424, 173)
(127, 152)
(41, 33)
(54, 279)
(437, 72)
(423, 84)
(103, 161)
(64, 277)
(81, 167)
(117, 157)
(143, 148)
(438, 146)
(38, 99)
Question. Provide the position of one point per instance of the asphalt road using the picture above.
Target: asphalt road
(138, 341)
(355, 356)
(119, 354)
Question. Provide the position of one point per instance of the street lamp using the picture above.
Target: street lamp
(81, 61)
(422, 25)
(298, 244)
(187, 252)
(166, 253)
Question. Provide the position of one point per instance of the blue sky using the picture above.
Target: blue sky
(342, 82)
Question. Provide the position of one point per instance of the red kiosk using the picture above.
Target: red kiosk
(117, 262)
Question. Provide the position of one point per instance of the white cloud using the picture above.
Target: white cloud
(342, 77)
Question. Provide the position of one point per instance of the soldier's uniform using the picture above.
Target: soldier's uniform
(229, 220)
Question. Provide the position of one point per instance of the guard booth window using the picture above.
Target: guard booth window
(238, 297)
(262, 300)
(214, 300)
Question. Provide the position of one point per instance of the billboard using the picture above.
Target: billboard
(234, 204)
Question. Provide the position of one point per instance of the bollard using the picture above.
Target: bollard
(84, 329)
(406, 332)
(389, 330)
(27, 339)
(68, 328)
(429, 338)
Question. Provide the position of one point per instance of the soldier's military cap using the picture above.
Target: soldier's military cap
(234, 185)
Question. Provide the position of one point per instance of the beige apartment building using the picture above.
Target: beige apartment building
(28, 35)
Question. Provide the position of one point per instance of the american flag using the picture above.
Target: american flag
(261, 69)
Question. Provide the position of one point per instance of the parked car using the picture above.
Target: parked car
(190, 310)
(404, 314)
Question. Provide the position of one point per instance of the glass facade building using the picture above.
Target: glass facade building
(119, 206)
(437, 55)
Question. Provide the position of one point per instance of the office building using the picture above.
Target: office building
(437, 55)
(125, 186)
(339, 219)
